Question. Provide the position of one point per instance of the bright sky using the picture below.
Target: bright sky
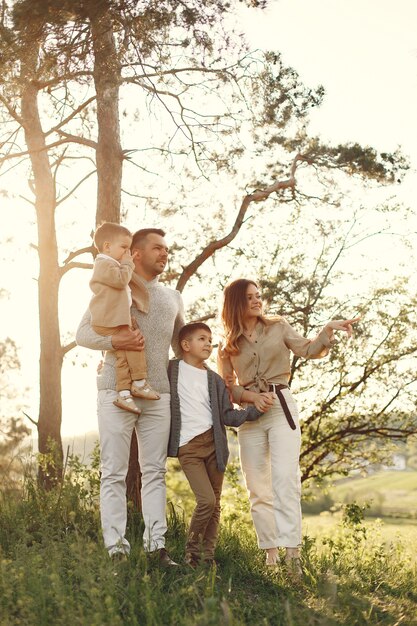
(365, 55)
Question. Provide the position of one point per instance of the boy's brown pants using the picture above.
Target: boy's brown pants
(130, 365)
(198, 461)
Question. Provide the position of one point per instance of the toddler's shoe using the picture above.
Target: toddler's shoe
(127, 403)
(145, 392)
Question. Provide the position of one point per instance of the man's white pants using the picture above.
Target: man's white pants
(269, 454)
(152, 429)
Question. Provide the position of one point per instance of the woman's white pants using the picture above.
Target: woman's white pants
(269, 454)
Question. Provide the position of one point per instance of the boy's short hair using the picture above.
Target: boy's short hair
(190, 329)
(108, 231)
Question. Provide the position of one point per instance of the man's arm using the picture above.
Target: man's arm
(88, 338)
(125, 339)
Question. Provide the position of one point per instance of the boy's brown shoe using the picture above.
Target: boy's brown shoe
(191, 560)
(145, 392)
(127, 403)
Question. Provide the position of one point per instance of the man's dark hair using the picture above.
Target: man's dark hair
(140, 235)
(190, 329)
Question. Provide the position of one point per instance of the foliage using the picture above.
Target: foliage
(13, 431)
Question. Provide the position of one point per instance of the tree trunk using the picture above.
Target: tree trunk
(109, 158)
(134, 475)
(107, 78)
(51, 356)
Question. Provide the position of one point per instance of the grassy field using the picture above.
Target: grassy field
(389, 492)
(398, 532)
(55, 571)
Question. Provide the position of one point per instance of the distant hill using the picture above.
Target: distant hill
(388, 492)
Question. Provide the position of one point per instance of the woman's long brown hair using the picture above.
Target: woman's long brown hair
(234, 308)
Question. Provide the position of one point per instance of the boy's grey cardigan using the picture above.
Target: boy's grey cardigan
(221, 408)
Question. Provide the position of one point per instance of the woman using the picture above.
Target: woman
(257, 350)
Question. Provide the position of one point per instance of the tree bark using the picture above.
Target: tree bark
(109, 157)
(107, 79)
(51, 357)
(134, 475)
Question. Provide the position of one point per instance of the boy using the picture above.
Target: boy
(200, 409)
(110, 310)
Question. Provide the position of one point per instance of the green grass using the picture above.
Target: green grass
(54, 570)
(392, 492)
(388, 494)
(391, 531)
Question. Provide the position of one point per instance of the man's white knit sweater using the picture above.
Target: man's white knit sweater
(160, 327)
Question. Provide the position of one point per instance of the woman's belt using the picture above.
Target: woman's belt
(277, 389)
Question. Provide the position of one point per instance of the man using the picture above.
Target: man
(159, 324)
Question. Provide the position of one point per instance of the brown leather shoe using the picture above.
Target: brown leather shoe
(191, 560)
(145, 392)
(195, 561)
(164, 558)
(127, 403)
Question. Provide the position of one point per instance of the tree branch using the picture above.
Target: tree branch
(388, 432)
(76, 253)
(75, 139)
(35, 423)
(66, 268)
(11, 111)
(209, 316)
(60, 79)
(70, 116)
(68, 347)
(61, 200)
(257, 196)
(67, 139)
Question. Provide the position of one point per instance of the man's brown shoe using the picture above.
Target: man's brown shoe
(145, 392)
(164, 558)
(127, 403)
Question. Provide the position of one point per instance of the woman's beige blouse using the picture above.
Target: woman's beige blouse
(267, 359)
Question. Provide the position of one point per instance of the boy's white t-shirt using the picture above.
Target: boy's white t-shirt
(110, 258)
(196, 416)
